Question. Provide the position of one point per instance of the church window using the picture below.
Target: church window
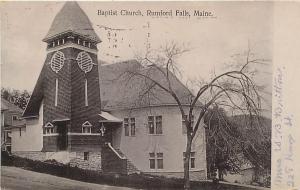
(49, 128)
(126, 126)
(86, 93)
(85, 62)
(183, 123)
(86, 155)
(57, 61)
(86, 127)
(156, 160)
(56, 92)
(14, 117)
(192, 159)
(129, 126)
(155, 124)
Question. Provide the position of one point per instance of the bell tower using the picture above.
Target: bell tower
(68, 86)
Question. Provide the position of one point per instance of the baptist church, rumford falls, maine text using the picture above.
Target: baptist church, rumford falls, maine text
(156, 13)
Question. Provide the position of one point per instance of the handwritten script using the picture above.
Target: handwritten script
(283, 141)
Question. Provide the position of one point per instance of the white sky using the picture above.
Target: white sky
(212, 41)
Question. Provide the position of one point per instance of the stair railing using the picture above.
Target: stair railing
(112, 148)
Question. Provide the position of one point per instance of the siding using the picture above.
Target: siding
(172, 142)
(32, 135)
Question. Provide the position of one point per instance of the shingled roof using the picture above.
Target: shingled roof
(6, 105)
(119, 91)
(71, 18)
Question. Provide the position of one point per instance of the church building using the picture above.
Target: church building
(83, 113)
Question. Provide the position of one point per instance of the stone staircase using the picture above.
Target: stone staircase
(131, 169)
(114, 161)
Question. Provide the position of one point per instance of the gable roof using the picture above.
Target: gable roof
(120, 92)
(71, 18)
(6, 105)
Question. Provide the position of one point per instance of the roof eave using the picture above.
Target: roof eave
(29, 116)
(48, 38)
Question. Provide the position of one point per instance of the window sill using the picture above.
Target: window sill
(156, 169)
(156, 134)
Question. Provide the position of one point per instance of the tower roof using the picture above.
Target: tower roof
(71, 18)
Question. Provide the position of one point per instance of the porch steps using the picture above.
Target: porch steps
(115, 161)
(131, 169)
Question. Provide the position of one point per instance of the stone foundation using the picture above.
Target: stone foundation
(93, 162)
(32, 155)
(194, 175)
(76, 159)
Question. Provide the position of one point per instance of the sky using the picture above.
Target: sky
(212, 41)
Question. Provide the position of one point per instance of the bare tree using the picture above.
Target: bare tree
(233, 90)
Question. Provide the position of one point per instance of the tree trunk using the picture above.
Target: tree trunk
(187, 185)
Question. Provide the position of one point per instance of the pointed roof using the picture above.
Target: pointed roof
(71, 18)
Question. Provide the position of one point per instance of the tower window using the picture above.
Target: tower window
(86, 93)
(85, 62)
(56, 92)
(57, 61)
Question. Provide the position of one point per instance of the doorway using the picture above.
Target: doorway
(62, 140)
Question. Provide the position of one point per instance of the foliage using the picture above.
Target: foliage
(17, 97)
(232, 143)
(221, 146)
(139, 181)
(233, 90)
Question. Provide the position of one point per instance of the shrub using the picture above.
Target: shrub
(141, 181)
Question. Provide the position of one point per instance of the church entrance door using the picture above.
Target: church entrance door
(62, 136)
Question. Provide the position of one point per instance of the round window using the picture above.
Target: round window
(85, 62)
(57, 61)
